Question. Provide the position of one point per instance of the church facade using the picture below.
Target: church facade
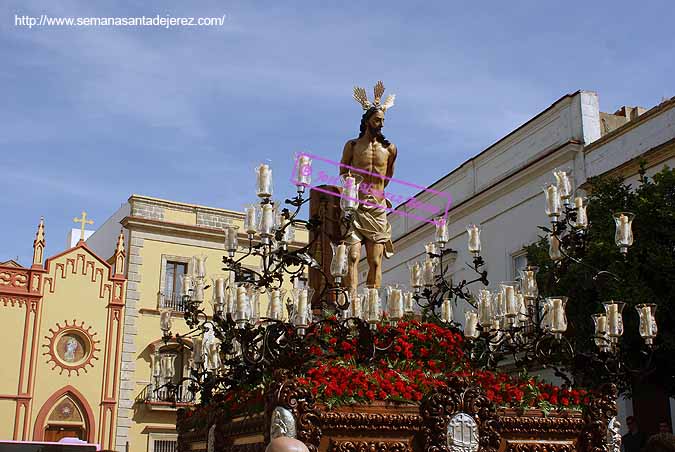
(61, 365)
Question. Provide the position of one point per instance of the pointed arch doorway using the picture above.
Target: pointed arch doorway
(65, 414)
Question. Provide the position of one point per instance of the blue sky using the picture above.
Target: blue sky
(89, 116)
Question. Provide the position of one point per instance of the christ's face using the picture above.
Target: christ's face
(376, 122)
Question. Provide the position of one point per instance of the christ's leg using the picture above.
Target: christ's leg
(374, 252)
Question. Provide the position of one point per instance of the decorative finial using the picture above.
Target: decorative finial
(39, 244)
(84, 221)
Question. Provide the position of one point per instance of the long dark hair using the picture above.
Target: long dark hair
(364, 125)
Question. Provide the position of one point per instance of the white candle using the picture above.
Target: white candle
(554, 248)
(446, 310)
(339, 262)
(350, 193)
(600, 325)
(564, 185)
(214, 355)
(197, 350)
(646, 322)
(395, 304)
(430, 248)
(471, 324)
(509, 294)
(613, 319)
(625, 229)
(474, 238)
(264, 174)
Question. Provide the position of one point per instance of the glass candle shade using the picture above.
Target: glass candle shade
(554, 248)
(349, 200)
(415, 274)
(546, 315)
(198, 291)
(199, 266)
(431, 248)
(374, 311)
(552, 201)
(558, 316)
(275, 308)
(474, 244)
(338, 264)
(408, 303)
(428, 272)
(187, 282)
(165, 321)
(231, 238)
(242, 306)
(356, 306)
(648, 327)
(197, 350)
(623, 235)
(564, 184)
(394, 302)
(263, 181)
(613, 311)
(254, 302)
(580, 205)
(441, 234)
(485, 311)
(251, 219)
(528, 281)
(470, 325)
(303, 171)
(267, 213)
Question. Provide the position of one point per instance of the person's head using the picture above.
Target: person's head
(660, 442)
(632, 425)
(286, 444)
(664, 427)
(373, 121)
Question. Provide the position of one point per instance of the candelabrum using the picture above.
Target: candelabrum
(235, 344)
(516, 323)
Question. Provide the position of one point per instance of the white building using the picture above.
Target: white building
(501, 187)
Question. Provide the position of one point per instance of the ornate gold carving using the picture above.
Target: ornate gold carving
(331, 420)
(597, 416)
(459, 396)
(286, 392)
(368, 446)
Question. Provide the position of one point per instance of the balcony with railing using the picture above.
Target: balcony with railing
(162, 398)
(173, 301)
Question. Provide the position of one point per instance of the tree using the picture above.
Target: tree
(645, 275)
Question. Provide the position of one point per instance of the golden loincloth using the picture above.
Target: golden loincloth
(370, 223)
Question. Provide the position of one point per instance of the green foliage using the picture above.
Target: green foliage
(646, 274)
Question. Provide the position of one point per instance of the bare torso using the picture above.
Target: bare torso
(373, 157)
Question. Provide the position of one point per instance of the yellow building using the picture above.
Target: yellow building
(161, 238)
(61, 363)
